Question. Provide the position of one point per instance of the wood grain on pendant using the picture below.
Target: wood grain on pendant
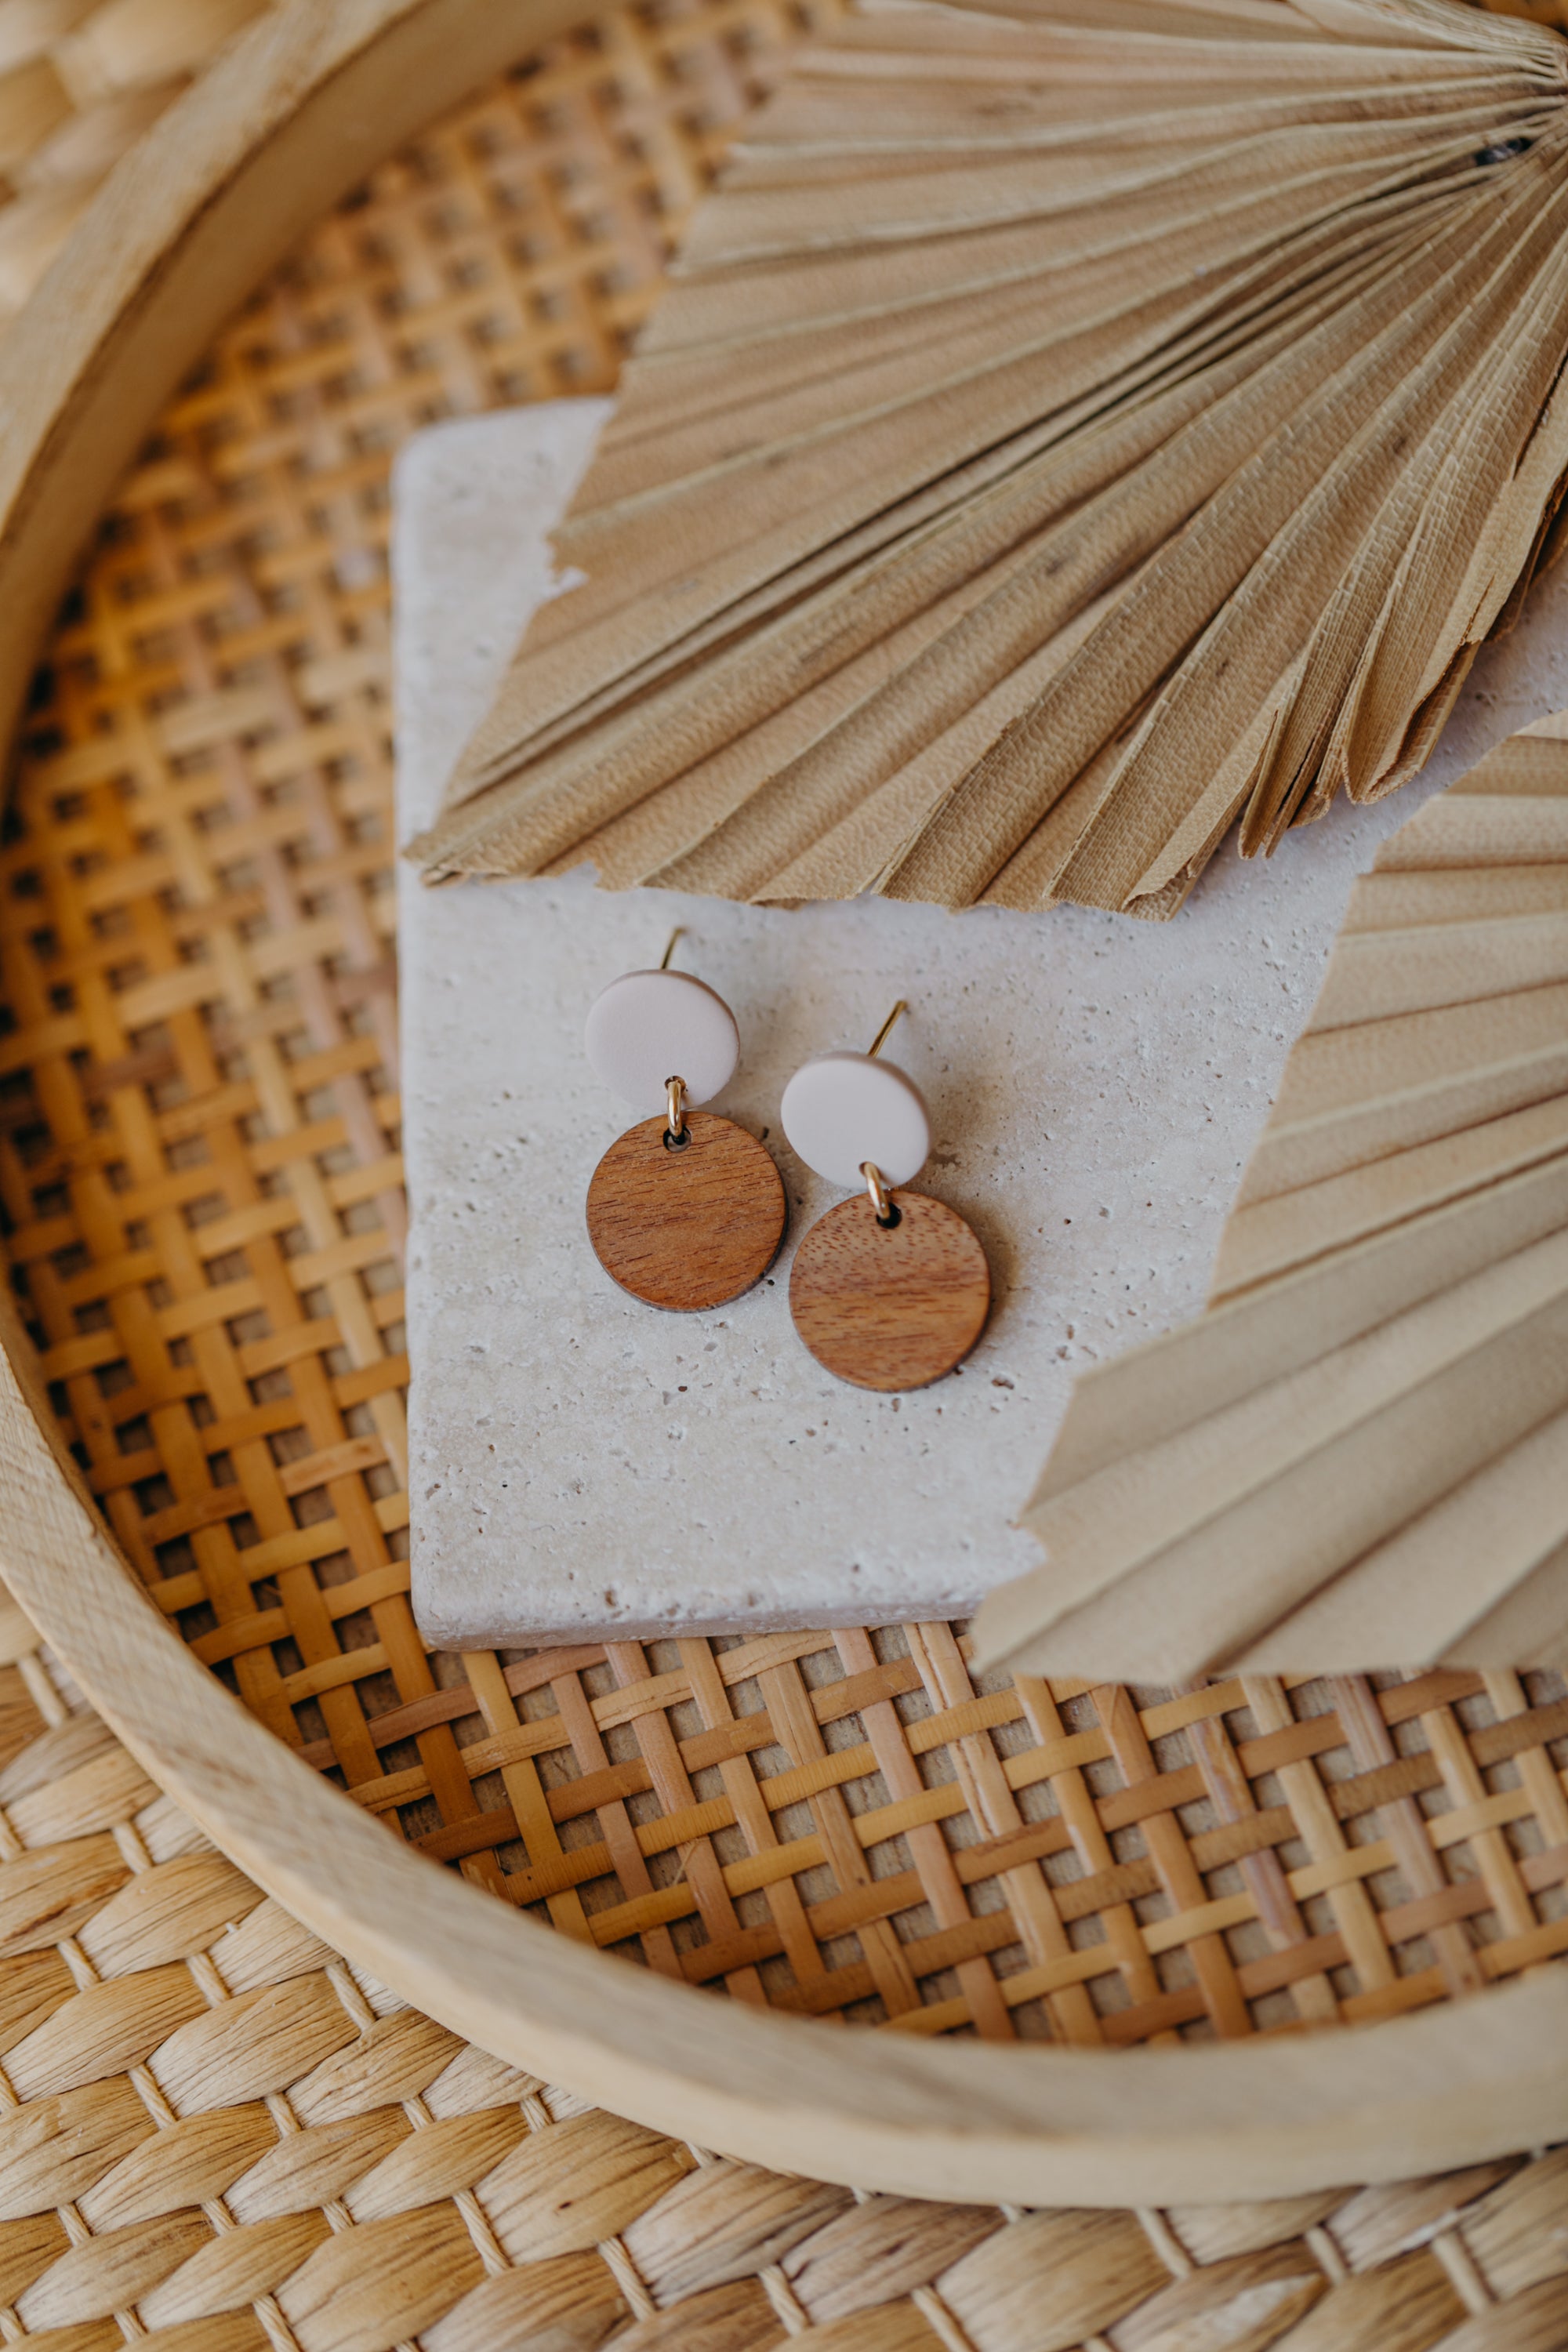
(890, 1307)
(690, 1227)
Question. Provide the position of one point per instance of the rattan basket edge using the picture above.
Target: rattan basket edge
(286, 121)
(955, 2120)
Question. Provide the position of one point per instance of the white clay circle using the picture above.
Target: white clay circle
(650, 1026)
(846, 1108)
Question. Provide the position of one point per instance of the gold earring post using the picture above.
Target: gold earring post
(886, 1030)
(679, 933)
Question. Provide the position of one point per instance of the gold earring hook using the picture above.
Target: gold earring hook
(886, 1030)
(679, 933)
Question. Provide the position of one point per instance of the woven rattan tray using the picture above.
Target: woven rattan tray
(197, 1165)
(213, 2130)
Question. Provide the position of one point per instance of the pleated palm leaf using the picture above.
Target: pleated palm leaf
(1073, 429)
(1359, 1456)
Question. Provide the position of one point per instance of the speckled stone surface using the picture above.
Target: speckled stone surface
(585, 1464)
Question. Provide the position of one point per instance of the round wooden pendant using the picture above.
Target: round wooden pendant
(890, 1307)
(686, 1227)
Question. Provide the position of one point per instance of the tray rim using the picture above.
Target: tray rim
(286, 123)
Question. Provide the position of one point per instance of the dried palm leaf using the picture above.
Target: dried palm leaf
(1360, 1453)
(1073, 428)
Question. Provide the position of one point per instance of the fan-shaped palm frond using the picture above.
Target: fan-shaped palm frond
(1073, 428)
(1359, 1455)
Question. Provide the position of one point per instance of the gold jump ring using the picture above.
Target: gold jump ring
(881, 1199)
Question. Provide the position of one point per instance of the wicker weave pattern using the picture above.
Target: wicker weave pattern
(81, 81)
(199, 1174)
(214, 2131)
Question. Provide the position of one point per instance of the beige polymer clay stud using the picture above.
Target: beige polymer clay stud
(891, 1289)
(685, 1210)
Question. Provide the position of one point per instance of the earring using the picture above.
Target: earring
(686, 1210)
(890, 1290)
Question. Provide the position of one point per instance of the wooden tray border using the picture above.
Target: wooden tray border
(292, 116)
